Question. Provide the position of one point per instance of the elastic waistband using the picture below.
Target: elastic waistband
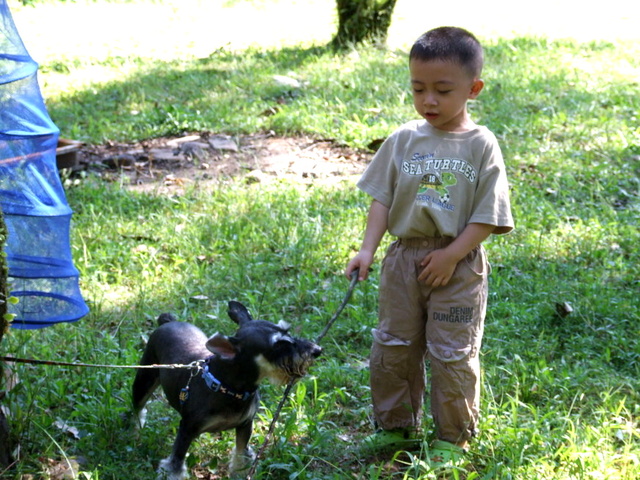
(425, 242)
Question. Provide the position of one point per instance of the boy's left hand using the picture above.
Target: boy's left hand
(438, 267)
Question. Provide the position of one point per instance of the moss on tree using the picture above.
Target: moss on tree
(363, 21)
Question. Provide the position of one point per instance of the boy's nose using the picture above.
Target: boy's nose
(430, 99)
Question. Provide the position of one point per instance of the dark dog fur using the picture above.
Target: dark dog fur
(258, 350)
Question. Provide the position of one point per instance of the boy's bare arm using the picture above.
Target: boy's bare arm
(377, 223)
(440, 264)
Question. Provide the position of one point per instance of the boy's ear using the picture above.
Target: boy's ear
(476, 88)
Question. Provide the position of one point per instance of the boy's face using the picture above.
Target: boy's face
(440, 93)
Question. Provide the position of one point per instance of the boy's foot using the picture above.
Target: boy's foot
(445, 455)
(389, 439)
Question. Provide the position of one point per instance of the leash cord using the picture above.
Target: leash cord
(347, 297)
(287, 391)
(197, 365)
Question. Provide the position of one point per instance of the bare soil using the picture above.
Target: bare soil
(168, 165)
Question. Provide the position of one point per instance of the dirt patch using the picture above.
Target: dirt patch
(170, 164)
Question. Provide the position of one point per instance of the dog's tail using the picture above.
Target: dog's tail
(166, 318)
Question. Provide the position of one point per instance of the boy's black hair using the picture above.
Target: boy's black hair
(451, 44)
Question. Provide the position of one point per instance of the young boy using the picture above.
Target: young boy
(438, 185)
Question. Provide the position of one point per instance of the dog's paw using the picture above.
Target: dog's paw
(241, 461)
(140, 419)
(166, 471)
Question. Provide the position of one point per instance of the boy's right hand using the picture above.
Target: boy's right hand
(362, 261)
(377, 221)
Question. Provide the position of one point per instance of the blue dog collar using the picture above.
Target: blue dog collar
(216, 385)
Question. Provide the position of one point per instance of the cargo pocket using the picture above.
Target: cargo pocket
(384, 338)
(449, 354)
(477, 261)
(389, 353)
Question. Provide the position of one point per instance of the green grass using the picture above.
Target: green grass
(560, 398)
(244, 95)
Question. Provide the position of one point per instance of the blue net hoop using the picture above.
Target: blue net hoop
(41, 271)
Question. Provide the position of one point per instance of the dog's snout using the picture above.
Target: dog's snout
(316, 351)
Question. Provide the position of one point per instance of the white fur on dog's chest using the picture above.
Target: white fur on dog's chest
(226, 421)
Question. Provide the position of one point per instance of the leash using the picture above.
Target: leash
(287, 391)
(347, 297)
(197, 365)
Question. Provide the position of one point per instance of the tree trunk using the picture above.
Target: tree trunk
(361, 21)
(5, 447)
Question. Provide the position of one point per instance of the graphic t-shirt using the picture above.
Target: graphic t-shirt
(435, 182)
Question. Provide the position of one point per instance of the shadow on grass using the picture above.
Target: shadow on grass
(227, 92)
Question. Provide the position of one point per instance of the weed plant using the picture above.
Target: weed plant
(560, 393)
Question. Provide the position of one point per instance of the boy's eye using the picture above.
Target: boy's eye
(444, 92)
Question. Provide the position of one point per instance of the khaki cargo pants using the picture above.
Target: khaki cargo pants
(443, 324)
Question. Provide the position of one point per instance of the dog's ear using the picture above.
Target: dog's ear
(222, 346)
(239, 313)
(166, 318)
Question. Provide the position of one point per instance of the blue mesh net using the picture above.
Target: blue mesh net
(41, 271)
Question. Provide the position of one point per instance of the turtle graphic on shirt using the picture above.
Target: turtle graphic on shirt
(439, 184)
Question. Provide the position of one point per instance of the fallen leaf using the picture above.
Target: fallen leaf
(564, 309)
(62, 470)
(173, 180)
(68, 429)
(223, 143)
(199, 298)
(10, 378)
(287, 81)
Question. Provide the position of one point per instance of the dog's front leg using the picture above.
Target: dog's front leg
(173, 467)
(242, 454)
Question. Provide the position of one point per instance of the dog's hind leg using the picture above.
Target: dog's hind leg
(143, 386)
(146, 381)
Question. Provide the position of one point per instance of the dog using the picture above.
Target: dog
(223, 393)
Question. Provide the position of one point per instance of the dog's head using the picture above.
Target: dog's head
(280, 357)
